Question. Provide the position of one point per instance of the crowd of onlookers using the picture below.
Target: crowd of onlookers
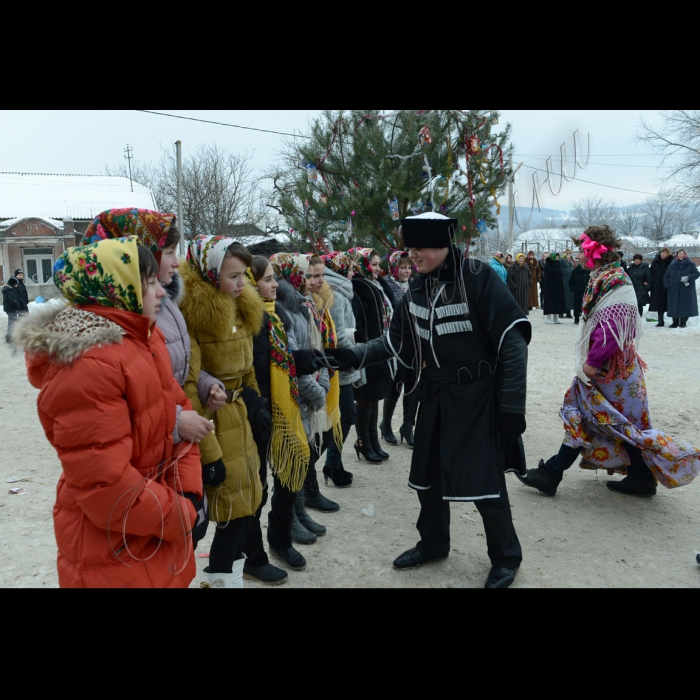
(556, 283)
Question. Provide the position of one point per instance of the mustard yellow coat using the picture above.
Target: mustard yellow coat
(221, 331)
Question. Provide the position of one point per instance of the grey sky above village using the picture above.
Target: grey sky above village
(84, 142)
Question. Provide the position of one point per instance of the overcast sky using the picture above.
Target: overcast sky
(83, 142)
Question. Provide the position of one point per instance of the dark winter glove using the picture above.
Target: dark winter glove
(199, 528)
(308, 361)
(511, 425)
(214, 473)
(261, 423)
(342, 359)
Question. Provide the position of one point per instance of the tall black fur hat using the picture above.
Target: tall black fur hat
(429, 230)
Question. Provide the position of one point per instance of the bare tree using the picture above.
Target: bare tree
(661, 213)
(218, 189)
(629, 221)
(678, 142)
(593, 211)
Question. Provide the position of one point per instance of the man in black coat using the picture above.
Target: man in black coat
(640, 274)
(11, 304)
(462, 330)
(659, 293)
(22, 291)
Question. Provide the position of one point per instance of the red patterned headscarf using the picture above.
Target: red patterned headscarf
(150, 226)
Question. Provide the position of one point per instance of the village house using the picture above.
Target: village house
(41, 215)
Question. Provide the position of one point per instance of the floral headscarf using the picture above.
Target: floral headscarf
(292, 267)
(362, 257)
(150, 226)
(206, 255)
(340, 262)
(395, 259)
(104, 273)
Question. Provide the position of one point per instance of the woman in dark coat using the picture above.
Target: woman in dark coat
(373, 310)
(659, 294)
(553, 302)
(519, 280)
(679, 280)
(640, 274)
(567, 266)
(577, 284)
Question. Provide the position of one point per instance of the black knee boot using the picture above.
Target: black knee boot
(313, 498)
(279, 538)
(374, 434)
(387, 414)
(660, 324)
(363, 446)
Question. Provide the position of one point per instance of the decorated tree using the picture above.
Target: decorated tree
(357, 173)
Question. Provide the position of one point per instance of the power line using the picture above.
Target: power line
(599, 184)
(597, 155)
(234, 126)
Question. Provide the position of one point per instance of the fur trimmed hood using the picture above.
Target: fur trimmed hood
(211, 313)
(288, 297)
(176, 289)
(64, 332)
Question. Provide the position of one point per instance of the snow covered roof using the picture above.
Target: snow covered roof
(680, 239)
(11, 222)
(255, 240)
(545, 234)
(77, 196)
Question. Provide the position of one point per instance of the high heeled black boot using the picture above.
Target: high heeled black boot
(374, 433)
(387, 413)
(410, 407)
(362, 445)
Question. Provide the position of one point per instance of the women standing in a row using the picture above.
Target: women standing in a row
(659, 293)
(400, 268)
(223, 314)
(373, 311)
(679, 280)
(520, 282)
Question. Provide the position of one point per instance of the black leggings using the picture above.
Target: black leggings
(227, 546)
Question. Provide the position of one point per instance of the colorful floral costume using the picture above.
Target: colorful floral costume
(600, 416)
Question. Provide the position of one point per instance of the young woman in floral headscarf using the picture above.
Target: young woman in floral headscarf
(373, 311)
(307, 330)
(340, 269)
(127, 499)
(223, 314)
(605, 411)
(401, 268)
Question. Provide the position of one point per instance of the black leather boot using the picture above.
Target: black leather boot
(362, 445)
(660, 324)
(675, 323)
(374, 434)
(313, 498)
(304, 518)
(387, 414)
(544, 479)
(279, 538)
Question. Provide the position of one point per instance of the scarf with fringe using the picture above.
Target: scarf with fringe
(328, 340)
(611, 303)
(289, 450)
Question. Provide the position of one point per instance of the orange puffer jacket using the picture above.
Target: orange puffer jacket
(107, 405)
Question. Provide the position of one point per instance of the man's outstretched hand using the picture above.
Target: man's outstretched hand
(342, 359)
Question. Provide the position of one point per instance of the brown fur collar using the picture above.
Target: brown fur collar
(209, 312)
(64, 332)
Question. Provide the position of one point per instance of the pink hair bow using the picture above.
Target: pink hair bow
(592, 250)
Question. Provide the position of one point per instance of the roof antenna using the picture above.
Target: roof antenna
(129, 150)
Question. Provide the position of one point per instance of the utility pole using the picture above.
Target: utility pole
(129, 150)
(181, 223)
(511, 200)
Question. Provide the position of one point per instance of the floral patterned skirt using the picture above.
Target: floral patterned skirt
(614, 410)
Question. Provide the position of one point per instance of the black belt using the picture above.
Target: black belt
(233, 394)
